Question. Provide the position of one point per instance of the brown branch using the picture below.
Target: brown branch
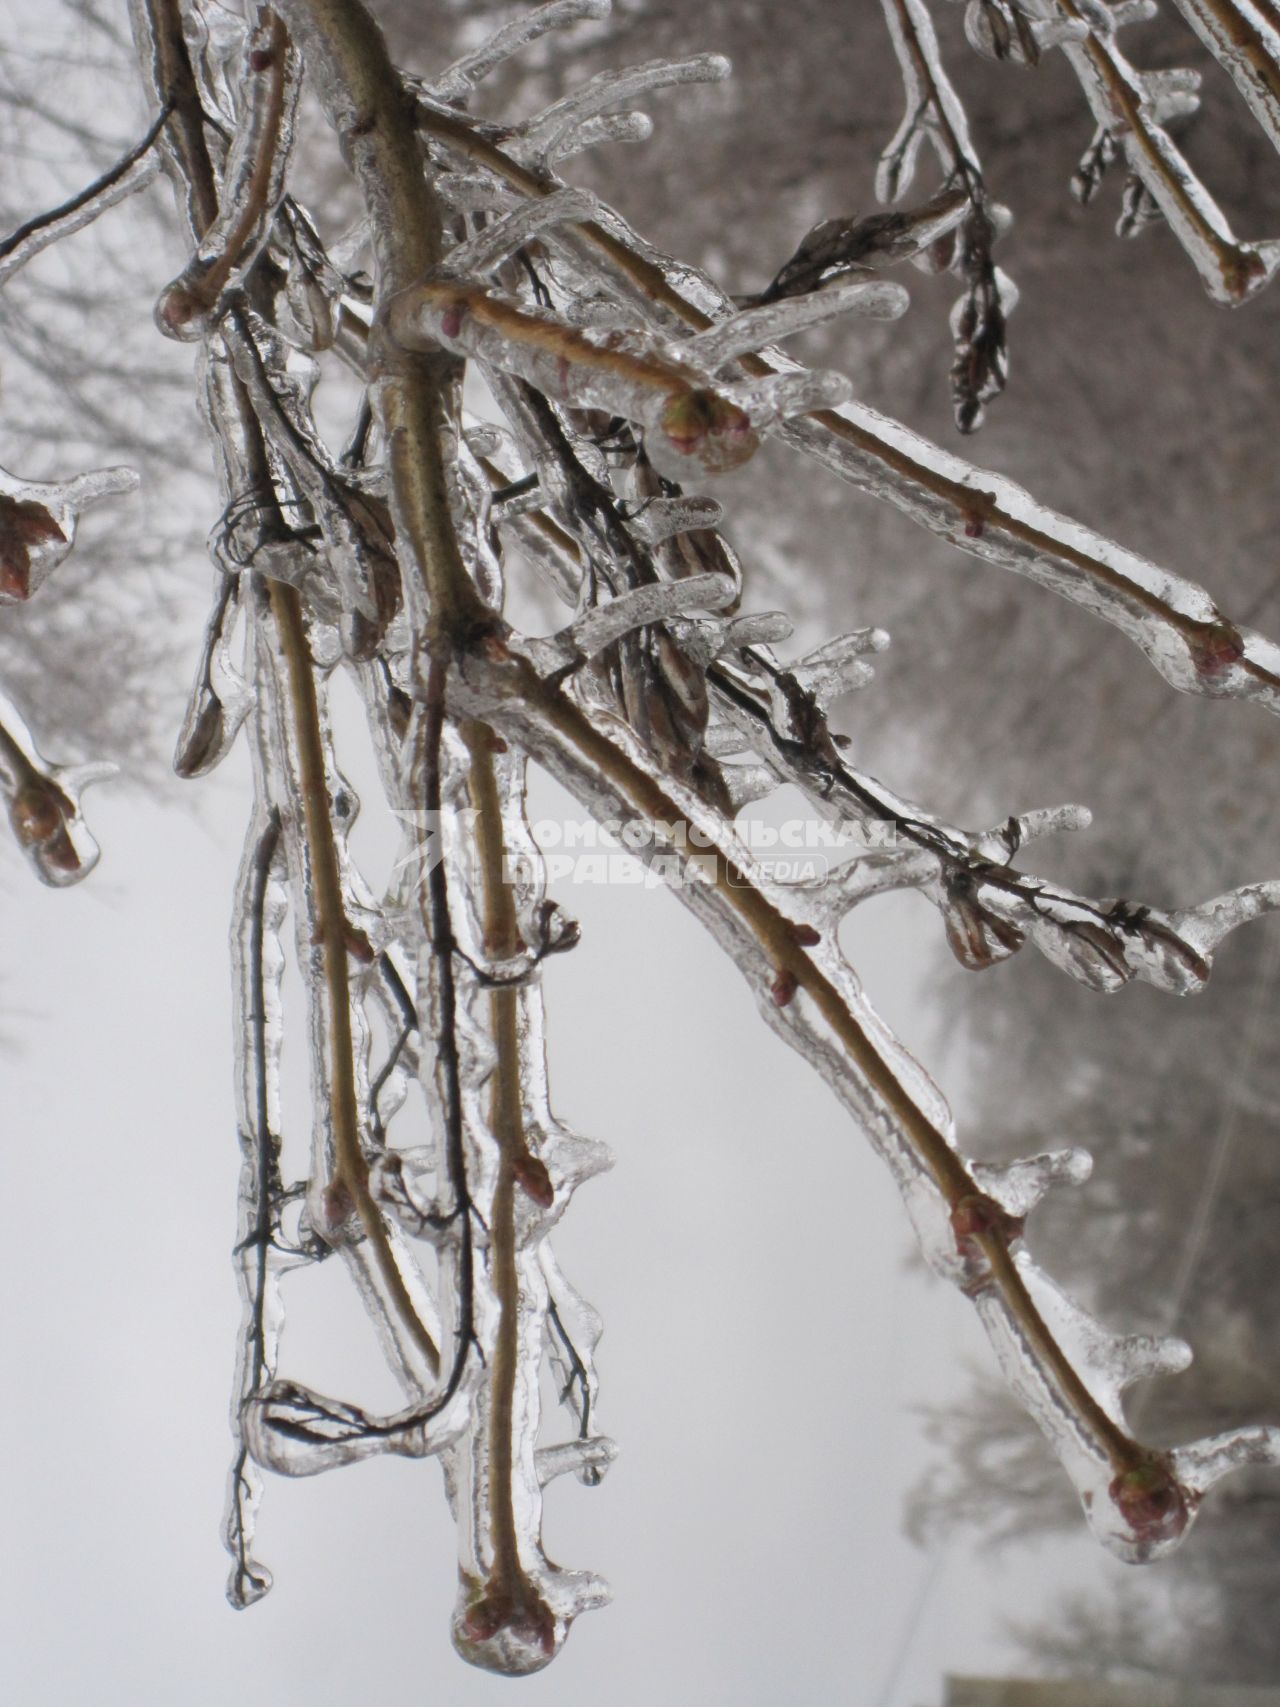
(350, 1179)
(974, 521)
(529, 706)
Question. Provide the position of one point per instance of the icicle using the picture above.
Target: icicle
(747, 783)
(586, 1459)
(1205, 926)
(1105, 17)
(538, 137)
(253, 186)
(709, 352)
(763, 628)
(783, 395)
(603, 624)
(485, 252)
(1171, 94)
(38, 523)
(613, 127)
(837, 668)
(1202, 1463)
(867, 874)
(455, 84)
(1019, 1186)
(1005, 839)
(659, 519)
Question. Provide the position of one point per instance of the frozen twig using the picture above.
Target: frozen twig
(133, 171)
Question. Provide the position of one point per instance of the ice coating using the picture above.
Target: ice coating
(1245, 41)
(1134, 106)
(542, 135)
(38, 521)
(999, 29)
(932, 110)
(1174, 621)
(934, 113)
(43, 804)
(133, 172)
(220, 698)
(690, 421)
(618, 374)
(258, 964)
(989, 910)
(253, 185)
(459, 80)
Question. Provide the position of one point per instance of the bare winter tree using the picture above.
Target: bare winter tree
(530, 390)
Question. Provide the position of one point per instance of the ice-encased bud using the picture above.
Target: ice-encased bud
(517, 1629)
(38, 523)
(43, 802)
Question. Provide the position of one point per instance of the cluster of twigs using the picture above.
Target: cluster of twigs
(616, 377)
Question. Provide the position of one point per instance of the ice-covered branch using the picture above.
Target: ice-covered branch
(1132, 110)
(934, 112)
(133, 171)
(252, 188)
(617, 373)
(1183, 633)
(1244, 38)
(989, 908)
(1067, 1369)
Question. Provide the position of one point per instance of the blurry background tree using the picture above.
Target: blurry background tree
(1132, 402)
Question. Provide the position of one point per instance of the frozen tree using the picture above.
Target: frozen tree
(535, 394)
